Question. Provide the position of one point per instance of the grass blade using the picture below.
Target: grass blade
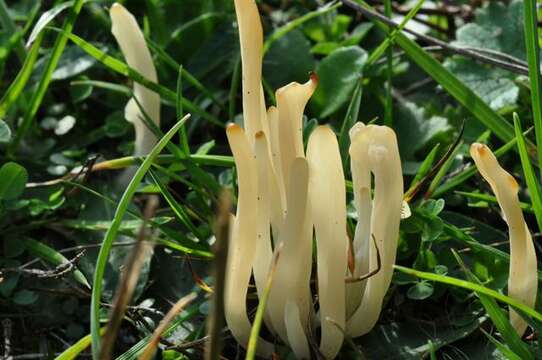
(52, 256)
(533, 59)
(45, 80)
(499, 318)
(11, 28)
(73, 351)
(111, 233)
(530, 177)
(473, 287)
(128, 282)
(255, 331)
(172, 313)
(177, 208)
(17, 86)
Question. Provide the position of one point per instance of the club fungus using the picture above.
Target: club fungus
(522, 279)
(288, 197)
(134, 48)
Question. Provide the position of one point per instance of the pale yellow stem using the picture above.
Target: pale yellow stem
(523, 276)
(242, 242)
(251, 40)
(292, 278)
(328, 205)
(291, 102)
(134, 48)
(269, 212)
(380, 146)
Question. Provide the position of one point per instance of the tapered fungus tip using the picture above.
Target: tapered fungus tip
(233, 127)
(117, 8)
(314, 78)
(481, 149)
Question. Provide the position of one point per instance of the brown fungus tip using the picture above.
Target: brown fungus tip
(232, 127)
(314, 77)
(480, 148)
(260, 134)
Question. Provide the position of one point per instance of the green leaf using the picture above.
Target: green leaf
(416, 124)
(466, 97)
(493, 85)
(497, 28)
(422, 290)
(338, 75)
(13, 180)
(25, 297)
(5, 132)
(288, 59)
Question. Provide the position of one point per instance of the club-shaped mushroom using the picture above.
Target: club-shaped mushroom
(523, 275)
(134, 48)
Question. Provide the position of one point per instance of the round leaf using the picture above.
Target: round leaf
(13, 178)
(338, 73)
(420, 291)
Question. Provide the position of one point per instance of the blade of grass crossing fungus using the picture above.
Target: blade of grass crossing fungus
(255, 331)
(533, 59)
(503, 325)
(123, 69)
(473, 287)
(491, 199)
(449, 82)
(530, 177)
(111, 233)
(47, 75)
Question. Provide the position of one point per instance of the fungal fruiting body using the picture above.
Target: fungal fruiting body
(134, 48)
(523, 275)
(291, 198)
(374, 150)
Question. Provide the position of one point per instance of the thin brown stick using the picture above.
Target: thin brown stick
(157, 334)
(370, 273)
(483, 58)
(215, 320)
(125, 290)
